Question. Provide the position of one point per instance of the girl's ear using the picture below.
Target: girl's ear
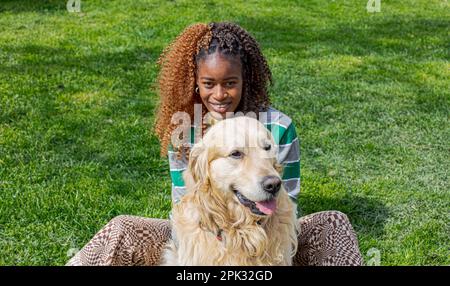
(198, 163)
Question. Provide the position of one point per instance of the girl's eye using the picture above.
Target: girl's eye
(230, 83)
(208, 84)
(236, 154)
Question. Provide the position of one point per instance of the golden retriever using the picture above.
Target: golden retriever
(236, 211)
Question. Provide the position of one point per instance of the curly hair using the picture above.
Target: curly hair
(179, 62)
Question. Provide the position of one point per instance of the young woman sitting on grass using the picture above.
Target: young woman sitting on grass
(219, 67)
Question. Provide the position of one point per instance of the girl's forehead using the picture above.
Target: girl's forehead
(218, 61)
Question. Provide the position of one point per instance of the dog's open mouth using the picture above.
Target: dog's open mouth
(259, 208)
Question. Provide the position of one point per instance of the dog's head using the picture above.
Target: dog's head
(236, 161)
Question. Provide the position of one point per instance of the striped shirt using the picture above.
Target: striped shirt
(285, 136)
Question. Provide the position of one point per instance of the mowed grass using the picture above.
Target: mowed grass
(369, 93)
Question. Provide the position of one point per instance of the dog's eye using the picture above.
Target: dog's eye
(267, 147)
(236, 154)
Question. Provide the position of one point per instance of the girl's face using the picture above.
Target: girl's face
(219, 79)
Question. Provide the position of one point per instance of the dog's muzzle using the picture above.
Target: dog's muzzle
(261, 208)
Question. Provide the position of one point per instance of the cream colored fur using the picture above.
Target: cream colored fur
(210, 205)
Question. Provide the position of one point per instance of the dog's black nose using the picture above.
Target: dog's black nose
(271, 184)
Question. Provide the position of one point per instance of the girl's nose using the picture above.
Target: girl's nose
(220, 93)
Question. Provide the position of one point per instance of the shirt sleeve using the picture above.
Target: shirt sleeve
(177, 167)
(289, 157)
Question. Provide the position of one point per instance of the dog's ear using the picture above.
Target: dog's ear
(198, 164)
(213, 208)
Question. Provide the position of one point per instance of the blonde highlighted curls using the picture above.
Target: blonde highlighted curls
(177, 77)
(176, 81)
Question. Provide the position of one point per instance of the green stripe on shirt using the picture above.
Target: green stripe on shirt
(276, 130)
(288, 136)
(291, 171)
(177, 178)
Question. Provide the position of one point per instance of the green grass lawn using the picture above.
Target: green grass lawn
(369, 93)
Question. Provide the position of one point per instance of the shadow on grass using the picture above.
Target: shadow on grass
(381, 36)
(367, 215)
(396, 50)
(52, 71)
(83, 107)
(41, 6)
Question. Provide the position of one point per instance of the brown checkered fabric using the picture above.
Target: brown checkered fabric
(326, 238)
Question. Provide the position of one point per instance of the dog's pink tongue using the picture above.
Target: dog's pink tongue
(267, 207)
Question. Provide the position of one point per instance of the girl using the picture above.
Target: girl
(218, 67)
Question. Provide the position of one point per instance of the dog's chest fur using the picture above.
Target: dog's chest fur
(265, 244)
